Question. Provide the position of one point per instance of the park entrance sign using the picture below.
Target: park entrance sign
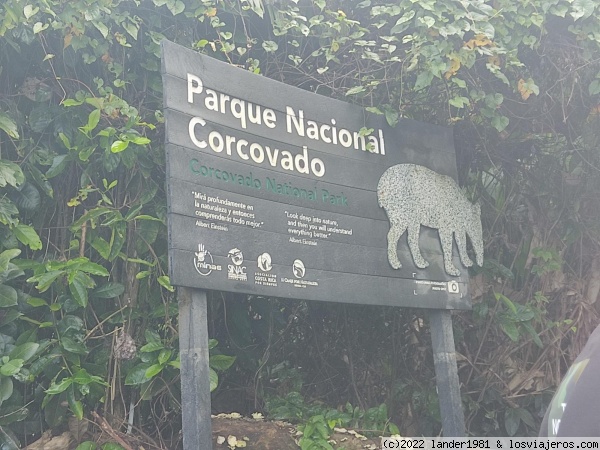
(276, 191)
(279, 192)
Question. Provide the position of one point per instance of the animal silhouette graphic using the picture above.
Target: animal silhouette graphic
(414, 195)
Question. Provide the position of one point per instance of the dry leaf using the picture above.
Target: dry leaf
(454, 66)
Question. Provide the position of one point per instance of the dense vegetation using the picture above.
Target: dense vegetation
(88, 318)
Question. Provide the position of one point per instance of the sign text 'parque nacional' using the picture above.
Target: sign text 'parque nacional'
(276, 191)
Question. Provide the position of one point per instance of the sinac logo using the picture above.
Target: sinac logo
(236, 271)
(236, 256)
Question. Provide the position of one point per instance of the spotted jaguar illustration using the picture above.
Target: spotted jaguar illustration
(414, 195)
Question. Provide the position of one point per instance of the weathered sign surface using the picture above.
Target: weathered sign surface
(274, 191)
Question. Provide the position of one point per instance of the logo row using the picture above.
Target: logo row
(205, 265)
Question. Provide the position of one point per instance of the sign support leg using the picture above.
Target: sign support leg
(446, 373)
(195, 381)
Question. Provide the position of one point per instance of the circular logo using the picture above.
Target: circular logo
(298, 268)
(264, 262)
(236, 256)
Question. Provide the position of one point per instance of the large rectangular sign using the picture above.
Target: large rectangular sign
(276, 191)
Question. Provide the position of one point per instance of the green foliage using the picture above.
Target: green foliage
(318, 422)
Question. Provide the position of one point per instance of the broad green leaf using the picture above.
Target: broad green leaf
(423, 80)
(86, 152)
(512, 420)
(536, 338)
(559, 10)
(8, 125)
(79, 291)
(402, 23)
(147, 217)
(45, 280)
(11, 272)
(355, 90)
(75, 405)
(40, 180)
(6, 256)
(82, 377)
(10, 173)
(391, 117)
(12, 414)
(11, 367)
(221, 362)
(214, 380)
(164, 356)
(38, 27)
(71, 102)
(582, 9)
(8, 296)
(176, 8)
(165, 282)
(93, 120)
(459, 102)
(28, 236)
(594, 87)
(427, 21)
(117, 240)
(12, 315)
(270, 46)
(29, 335)
(101, 246)
(72, 346)
(8, 212)
(374, 110)
(511, 330)
(90, 215)
(137, 375)
(69, 325)
(6, 388)
(141, 140)
(27, 198)
(94, 269)
(109, 290)
(118, 146)
(112, 446)
(87, 445)
(41, 117)
(153, 370)
(508, 302)
(36, 302)
(143, 274)
(41, 363)
(103, 29)
(500, 122)
(58, 166)
(57, 388)
(152, 347)
(24, 351)
(131, 28)
(152, 336)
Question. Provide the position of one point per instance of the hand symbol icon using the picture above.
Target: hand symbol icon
(201, 253)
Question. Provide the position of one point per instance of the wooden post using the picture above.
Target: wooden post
(195, 377)
(446, 373)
